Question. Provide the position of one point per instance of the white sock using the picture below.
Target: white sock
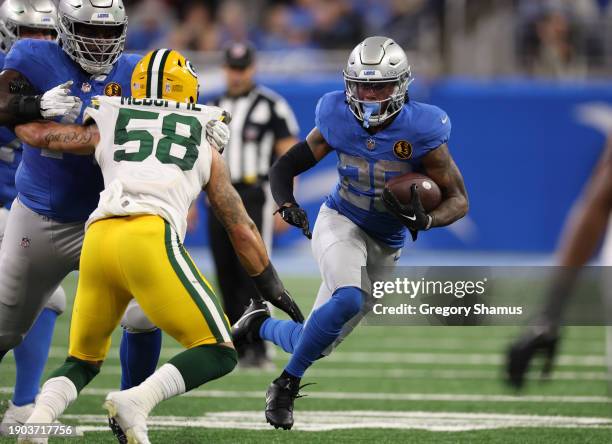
(165, 383)
(55, 397)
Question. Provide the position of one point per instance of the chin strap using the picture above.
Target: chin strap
(368, 110)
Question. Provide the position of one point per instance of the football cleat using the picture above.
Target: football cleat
(15, 415)
(279, 401)
(126, 418)
(523, 350)
(246, 329)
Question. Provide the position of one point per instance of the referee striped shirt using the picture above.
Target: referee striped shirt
(260, 118)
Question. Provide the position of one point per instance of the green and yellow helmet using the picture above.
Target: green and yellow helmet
(165, 74)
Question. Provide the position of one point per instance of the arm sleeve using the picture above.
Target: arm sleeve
(295, 161)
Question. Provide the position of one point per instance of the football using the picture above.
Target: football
(429, 191)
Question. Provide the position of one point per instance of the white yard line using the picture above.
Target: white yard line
(379, 396)
(402, 357)
(400, 373)
(335, 420)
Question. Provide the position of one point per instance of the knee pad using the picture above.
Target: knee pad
(57, 301)
(135, 321)
(349, 301)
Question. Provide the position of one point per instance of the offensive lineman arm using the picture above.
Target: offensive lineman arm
(245, 238)
(67, 138)
(301, 157)
(18, 104)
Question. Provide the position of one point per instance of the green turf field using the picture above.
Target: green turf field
(384, 384)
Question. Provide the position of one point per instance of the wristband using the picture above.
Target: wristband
(268, 283)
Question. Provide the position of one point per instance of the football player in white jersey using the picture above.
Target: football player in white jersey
(155, 161)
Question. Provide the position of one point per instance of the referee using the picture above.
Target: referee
(262, 128)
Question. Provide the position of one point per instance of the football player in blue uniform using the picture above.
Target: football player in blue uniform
(20, 19)
(377, 133)
(57, 192)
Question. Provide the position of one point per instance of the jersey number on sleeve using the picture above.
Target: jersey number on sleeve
(147, 141)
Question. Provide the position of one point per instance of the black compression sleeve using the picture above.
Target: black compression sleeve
(295, 161)
(25, 108)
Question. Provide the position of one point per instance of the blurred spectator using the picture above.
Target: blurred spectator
(408, 21)
(336, 25)
(552, 44)
(198, 31)
(233, 18)
(284, 28)
(150, 22)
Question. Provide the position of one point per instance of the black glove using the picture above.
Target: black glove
(271, 289)
(285, 302)
(296, 216)
(412, 215)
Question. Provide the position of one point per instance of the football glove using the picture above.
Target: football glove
(217, 134)
(270, 288)
(58, 102)
(285, 302)
(412, 215)
(296, 216)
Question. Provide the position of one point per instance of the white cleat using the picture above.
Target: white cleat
(15, 416)
(126, 418)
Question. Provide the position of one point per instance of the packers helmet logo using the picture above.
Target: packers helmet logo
(190, 68)
(402, 149)
(112, 89)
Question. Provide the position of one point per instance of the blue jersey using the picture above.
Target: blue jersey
(64, 187)
(367, 161)
(10, 156)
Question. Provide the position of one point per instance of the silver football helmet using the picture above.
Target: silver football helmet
(92, 32)
(376, 80)
(17, 17)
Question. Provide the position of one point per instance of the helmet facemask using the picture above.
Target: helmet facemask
(96, 47)
(373, 101)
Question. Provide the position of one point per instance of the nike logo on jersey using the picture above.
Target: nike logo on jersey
(444, 120)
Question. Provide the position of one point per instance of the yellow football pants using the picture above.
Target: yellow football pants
(141, 257)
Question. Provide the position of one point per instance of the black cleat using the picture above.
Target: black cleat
(279, 402)
(523, 351)
(117, 431)
(246, 329)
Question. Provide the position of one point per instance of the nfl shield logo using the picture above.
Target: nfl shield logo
(370, 143)
(86, 88)
(25, 242)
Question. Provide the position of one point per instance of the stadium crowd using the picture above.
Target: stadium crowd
(552, 38)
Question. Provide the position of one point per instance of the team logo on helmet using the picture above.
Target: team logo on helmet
(402, 149)
(191, 68)
(112, 89)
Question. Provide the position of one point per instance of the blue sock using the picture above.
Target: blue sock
(139, 353)
(285, 334)
(31, 356)
(323, 327)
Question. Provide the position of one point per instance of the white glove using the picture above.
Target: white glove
(217, 134)
(58, 102)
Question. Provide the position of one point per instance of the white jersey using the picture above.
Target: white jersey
(154, 157)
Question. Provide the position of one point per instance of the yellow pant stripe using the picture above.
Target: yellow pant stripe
(195, 288)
